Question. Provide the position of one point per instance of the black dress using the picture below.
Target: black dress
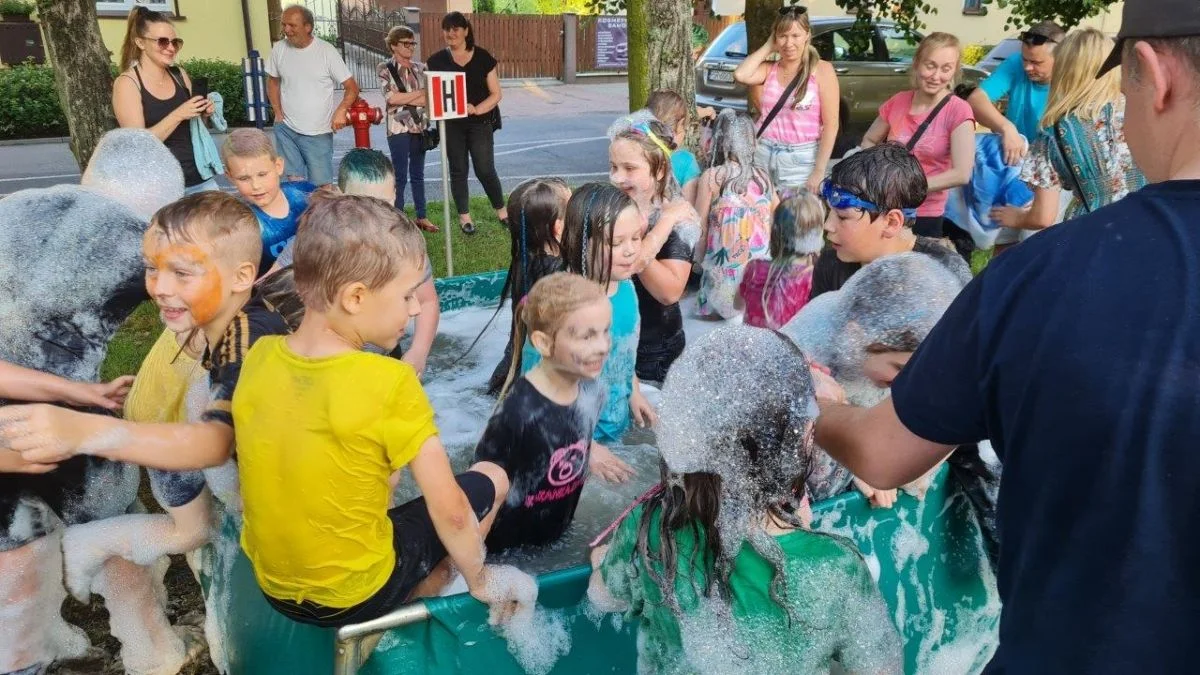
(155, 110)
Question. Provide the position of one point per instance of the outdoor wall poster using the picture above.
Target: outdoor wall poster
(612, 43)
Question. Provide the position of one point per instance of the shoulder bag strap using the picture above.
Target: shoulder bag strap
(783, 98)
(912, 142)
(396, 76)
(1062, 150)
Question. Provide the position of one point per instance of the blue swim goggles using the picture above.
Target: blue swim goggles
(841, 198)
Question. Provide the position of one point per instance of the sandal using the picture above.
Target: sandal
(467, 227)
(425, 225)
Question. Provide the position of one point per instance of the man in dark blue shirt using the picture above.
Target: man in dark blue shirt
(1078, 354)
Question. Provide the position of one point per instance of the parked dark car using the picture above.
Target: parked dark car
(1006, 48)
(871, 67)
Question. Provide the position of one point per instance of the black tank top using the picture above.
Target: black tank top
(154, 110)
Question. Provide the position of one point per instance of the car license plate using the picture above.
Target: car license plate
(720, 76)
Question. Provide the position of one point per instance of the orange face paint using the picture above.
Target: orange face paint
(182, 276)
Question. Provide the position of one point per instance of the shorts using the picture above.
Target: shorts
(173, 489)
(789, 165)
(82, 489)
(418, 552)
(654, 359)
(304, 155)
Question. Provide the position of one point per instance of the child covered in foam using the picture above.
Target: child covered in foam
(718, 565)
(865, 333)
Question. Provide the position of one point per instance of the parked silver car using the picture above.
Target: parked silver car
(871, 67)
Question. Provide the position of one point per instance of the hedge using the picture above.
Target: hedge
(973, 54)
(29, 105)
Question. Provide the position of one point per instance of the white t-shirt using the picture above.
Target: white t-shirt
(308, 84)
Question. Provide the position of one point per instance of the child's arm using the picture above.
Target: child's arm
(597, 591)
(643, 413)
(26, 384)
(46, 434)
(451, 513)
(666, 280)
(610, 468)
(702, 204)
(427, 325)
(876, 134)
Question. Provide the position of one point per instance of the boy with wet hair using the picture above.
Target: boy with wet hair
(255, 169)
(873, 196)
(325, 547)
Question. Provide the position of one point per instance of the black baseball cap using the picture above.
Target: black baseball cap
(1153, 19)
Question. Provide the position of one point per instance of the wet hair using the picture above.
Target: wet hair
(342, 239)
(305, 14)
(534, 208)
(364, 165)
(656, 142)
(797, 234)
(587, 239)
(136, 26)
(544, 309)
(887, 175)
(810, 59)
(902, 341)
(733, 142)
(398, 33)
(931, 43)
(1074, 87)
(460, 20)
(215, 218)
(668, 107)
(755, 460)
(247, 143)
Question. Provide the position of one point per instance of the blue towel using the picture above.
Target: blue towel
(993, 183)
(208, 157)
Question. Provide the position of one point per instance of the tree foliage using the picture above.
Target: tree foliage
(1066, 13)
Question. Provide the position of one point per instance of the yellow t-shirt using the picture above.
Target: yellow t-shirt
(317, 440)
(160, 389)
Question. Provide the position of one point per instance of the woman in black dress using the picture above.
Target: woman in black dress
(471, 135)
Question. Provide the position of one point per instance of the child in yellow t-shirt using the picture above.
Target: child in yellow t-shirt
(323, 426)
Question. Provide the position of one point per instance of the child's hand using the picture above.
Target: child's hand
(643, 413)
(596, 556)
(44, 434)
(608, 466)
(1007, 216)
(107, 395)
(506, 591)
(825, 388)
(882, 499)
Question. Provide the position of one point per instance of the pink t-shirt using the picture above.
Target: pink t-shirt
(933, 149)
(789, 293)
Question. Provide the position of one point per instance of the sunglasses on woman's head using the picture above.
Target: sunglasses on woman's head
(164, 42)
(796, 10)
(1035, 39)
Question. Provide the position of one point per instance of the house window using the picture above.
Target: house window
(974, 8)
(111, 7)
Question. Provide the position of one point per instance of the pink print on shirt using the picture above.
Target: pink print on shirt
(567, 467)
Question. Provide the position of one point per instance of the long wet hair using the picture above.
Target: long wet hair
(754, 458)
(796, 237)
(544, 309)
(733, 143)
(534, 208)
(587, 238)
(139, 21)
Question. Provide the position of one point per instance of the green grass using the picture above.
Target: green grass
(486, 250)
(980, 259)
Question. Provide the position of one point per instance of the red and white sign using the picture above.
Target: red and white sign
(447, 95)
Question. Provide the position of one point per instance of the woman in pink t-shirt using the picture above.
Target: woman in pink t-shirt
(946, 150)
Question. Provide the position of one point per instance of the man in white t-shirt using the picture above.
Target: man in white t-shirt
(304, 74)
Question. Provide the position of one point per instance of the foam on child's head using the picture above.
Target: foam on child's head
(657, 143)
(364, 165)
(887, 175)
(215, 219)
(247, 143)
(133, 167)
(554, 297)
(349, 238)
(797, 227)
(587, 238)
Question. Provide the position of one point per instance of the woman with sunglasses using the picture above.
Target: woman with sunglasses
(796, 142)
(155, 94)
(402, 79)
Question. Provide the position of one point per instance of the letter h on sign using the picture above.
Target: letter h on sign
(447, 95)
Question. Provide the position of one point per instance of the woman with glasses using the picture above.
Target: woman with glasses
(402, 79)
(798, 99)
(1082, 144)
(155, 94)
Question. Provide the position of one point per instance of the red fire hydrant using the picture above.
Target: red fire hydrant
(361, 116)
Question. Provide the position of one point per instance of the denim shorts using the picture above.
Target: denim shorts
(310, 157)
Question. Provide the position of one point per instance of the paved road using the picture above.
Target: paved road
(552, 130)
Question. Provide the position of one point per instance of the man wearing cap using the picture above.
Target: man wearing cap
(1024, 78)
(1078, 354)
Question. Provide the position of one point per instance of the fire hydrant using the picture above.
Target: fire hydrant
(361, 116)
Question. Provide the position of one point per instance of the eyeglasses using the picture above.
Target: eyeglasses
(793, 9)
(840, 198)
(1036, 39)
(164, 42)
(407, 43)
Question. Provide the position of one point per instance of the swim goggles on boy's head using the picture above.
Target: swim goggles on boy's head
(840, 198)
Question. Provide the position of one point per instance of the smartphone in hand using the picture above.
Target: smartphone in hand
(200, 86)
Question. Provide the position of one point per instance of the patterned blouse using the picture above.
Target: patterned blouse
(403, 119)
(1097, 167)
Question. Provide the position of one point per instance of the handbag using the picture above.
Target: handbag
(430, 137)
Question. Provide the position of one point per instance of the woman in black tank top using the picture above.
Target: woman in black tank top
(155, 94)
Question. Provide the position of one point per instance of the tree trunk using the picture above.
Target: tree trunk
(760, 16)
(660, 51)
(81, 71)
(275, 21)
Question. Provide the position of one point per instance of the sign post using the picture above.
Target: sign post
(447, 101)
